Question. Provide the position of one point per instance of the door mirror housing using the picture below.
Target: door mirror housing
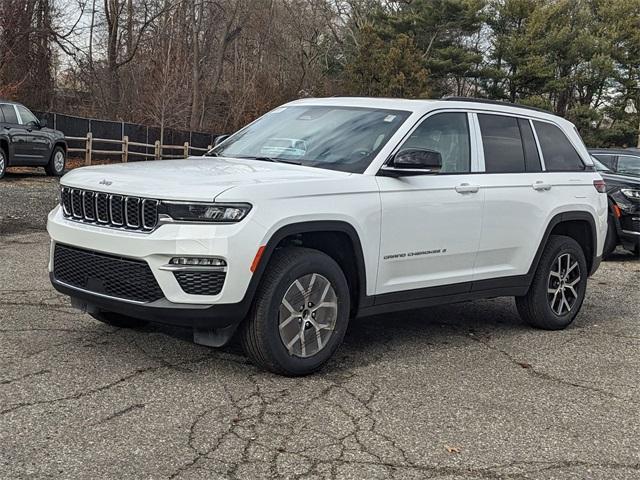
(413, 161)
(218, 140)
(42, 123)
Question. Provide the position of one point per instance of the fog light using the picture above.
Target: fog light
(199, 261)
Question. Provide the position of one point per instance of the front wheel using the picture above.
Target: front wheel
(3, 162)
(56, 164)
(300, 313)
(558, 287)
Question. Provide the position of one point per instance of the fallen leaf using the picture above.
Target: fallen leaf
(452, 449)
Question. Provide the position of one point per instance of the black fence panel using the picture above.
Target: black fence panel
(79, 127)
(136, 133)
(201, 140)
(153, 135)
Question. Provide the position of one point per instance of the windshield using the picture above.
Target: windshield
(333, 137)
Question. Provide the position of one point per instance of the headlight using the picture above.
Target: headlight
(206, 212)
(631, 193)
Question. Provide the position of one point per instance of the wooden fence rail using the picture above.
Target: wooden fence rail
(158, 149)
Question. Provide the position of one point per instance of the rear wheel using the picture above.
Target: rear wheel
(300, 313)
(558, 287)
(3, 162)
(56, 164)
(117, 320)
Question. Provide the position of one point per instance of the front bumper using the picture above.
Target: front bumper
(160, 311)
(235, 243)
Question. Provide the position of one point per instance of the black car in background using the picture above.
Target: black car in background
(623, 191)
(625, 161)
(25, 141)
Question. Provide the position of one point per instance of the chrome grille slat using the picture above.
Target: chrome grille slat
(149, 213)
(110, 210)
(116, 204)
(132, 212)
(88, 205)
(76, 203)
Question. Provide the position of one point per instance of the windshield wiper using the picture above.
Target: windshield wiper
(273, 159)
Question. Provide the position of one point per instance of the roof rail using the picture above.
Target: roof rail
(495, 102)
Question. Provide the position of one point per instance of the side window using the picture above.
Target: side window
(9, 113)
(531, 155)
(629, 164)
(26, 116)
(448, 134)
(608, 160)
(559, 155)
(503, 150)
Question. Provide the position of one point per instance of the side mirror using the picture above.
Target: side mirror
(413, 161)
(43, 123)
(219, 140)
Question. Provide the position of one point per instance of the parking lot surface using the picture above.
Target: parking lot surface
(465, 391)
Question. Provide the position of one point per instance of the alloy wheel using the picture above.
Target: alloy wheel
(58, 161)
(564, 280)
(2, 162)
(307, 316)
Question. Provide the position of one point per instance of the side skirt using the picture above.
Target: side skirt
(514, 286)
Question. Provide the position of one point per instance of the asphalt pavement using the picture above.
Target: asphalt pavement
(465, 391)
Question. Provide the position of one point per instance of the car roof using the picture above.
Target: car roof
(614, 151)
(11, 102)
(423, 106)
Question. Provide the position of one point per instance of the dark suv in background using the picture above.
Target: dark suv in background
(25, 141)
(623, 191)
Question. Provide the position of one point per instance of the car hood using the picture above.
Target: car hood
(198, 178)
(612, 178)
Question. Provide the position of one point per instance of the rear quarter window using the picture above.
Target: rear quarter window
(557, 151)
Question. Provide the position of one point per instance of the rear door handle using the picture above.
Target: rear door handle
(467, 188)
(540, 185)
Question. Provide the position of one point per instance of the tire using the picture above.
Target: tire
(544, 309)
(611, 241)
(271, 323)
(4, 160)
(117, 320)
(55, 168)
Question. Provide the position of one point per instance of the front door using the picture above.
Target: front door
(431, 223)
(37, 143)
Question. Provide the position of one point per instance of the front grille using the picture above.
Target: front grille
(109, 210)
(105, 274)
(201, 283)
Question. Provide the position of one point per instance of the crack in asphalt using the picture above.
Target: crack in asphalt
(28, 375)
(531, 370)
(121, 413)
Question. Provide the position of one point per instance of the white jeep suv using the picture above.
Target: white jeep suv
(372, 206)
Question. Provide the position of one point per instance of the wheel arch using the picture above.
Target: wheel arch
(579, 225)
(337, 238)
(4, 144)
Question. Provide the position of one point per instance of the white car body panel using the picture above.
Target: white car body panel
(492, 233)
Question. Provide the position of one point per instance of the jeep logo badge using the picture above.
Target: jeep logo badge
(105, 182)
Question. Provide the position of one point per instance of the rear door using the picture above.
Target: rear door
(531, 168)
(518, 197)
(431, 223)
(15, 133)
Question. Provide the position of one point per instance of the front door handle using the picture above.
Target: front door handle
(467, 188)
(541, 186)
